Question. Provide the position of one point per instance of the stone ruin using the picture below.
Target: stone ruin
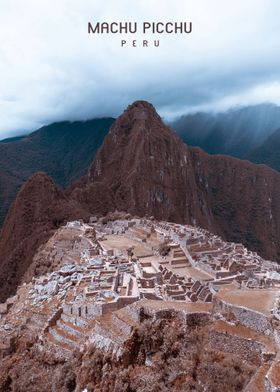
(104, 282)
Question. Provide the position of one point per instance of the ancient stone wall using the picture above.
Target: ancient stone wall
(53, 319)
(247, 349)
(93, 310)
(247, 317)
(205, 267)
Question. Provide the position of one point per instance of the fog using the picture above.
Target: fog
(51, 69)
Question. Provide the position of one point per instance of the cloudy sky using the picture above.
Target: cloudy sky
(52, 70)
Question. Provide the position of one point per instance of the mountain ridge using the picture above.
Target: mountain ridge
(62, 150)
(268, 152)
(235, 132)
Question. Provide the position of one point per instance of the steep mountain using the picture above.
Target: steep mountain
(144, 168)
(268, 152)
(243, 200)
(235, 132)
(39, 208)
(62, 150)
(139, 166)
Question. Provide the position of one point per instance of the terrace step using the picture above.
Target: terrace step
(106, 328)
(179, 297)
(78, 321)
(143, 256)
(70, 328)
(61, 345)
(62, 336)
(178, 253)
(180, 266)
(114, 329)
(174, 246)
(179, 260)
(123, 320)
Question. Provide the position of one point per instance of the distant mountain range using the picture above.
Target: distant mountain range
(63, 150)
(247, 133)
(269, 152)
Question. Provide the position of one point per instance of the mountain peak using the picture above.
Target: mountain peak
(139, 115)
(141, 110)
(39, 208)
(137, 137)
(40, 182)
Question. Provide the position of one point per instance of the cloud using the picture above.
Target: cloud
(52, 70)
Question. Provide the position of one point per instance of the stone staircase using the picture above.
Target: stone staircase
(112, 330)
(68, 333)
(179, 259)
(123, 320)
(205, 295)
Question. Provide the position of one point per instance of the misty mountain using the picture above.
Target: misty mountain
(268, 152)
(236, 132)
(63, 150)
(12, 139)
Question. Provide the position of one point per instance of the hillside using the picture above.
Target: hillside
(268, 152)
(63, 150)
(235, 132)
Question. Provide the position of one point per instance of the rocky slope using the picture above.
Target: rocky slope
(39, 208)
(162, 356)
(62, 150)
(145, 169)
(142, 168)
